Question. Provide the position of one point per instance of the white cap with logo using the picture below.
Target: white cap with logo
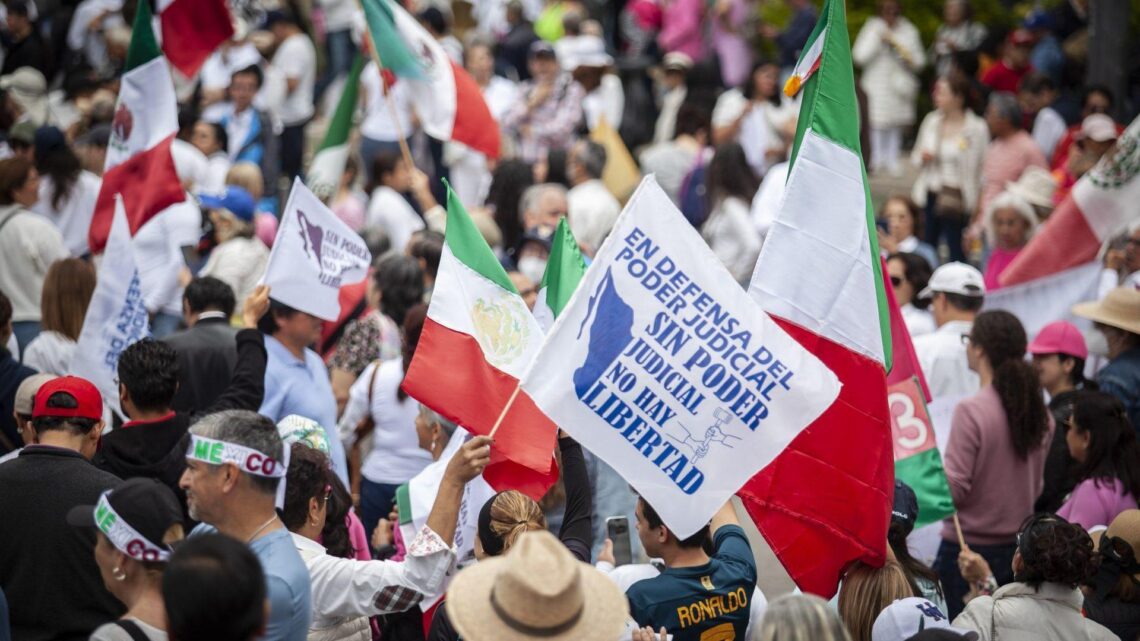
(907, 617)
(955, 278)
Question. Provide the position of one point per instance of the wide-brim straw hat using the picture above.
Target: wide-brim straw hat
(1120, 308)
(538, 590)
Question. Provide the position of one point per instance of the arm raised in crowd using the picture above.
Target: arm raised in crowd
(577, 532)
(247, 385)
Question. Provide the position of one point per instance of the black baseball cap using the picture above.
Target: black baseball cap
(135, 517)
(905, 508)
(542, 49)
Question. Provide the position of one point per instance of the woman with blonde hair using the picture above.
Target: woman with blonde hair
(800, 617)
(867, 591)
(67, 291)
(248, 176)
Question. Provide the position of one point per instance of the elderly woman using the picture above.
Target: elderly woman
(1010, 222)
(1010, 152)
(240, 258)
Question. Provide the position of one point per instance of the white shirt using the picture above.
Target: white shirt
(158, 253)
(29, 244)
(592, 213)
(339, 14)
(389, 211)
(296, 58)
(500, 94)
(239, 263)
(217, 166)
(606, 101)
(219, 68)
(918, 322)
(377, 123)
(73, 216)
(1048, 128)
(190, 163)
(943, 359)
(50, 353)
(396, 455)
(237, 130)
(766, 202)
(671, 102)
(346, 589)
(733, 238)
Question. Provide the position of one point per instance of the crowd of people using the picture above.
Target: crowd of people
(243, 482)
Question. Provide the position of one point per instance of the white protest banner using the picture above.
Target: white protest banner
(416, 498)
(1039, 302)
(314, 255)
(666, 369)
(116, 316)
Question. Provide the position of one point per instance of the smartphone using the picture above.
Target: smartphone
(882, 225)
(617, 529)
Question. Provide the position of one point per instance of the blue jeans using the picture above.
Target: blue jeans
(376, 501)
(936, 227)
(25, 331)
(999, 557)
(340, 50)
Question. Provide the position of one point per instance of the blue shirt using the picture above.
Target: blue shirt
(302, 387)
(703, 602)
(289, 589)
(1121, 378)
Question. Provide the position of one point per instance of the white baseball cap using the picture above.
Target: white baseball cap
(955, 278)
(907, 617)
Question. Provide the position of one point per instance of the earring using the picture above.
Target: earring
(118, 574)
(434, 440)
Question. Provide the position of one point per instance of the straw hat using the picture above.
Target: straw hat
(1120, 309)
(1035, 186)
(537, 590)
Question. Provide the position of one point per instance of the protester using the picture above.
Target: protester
(153, 441)
(957, 33)
(1052, 558)
(206, 349)
(68, 287)
(949, 150)
(800, 617)
(792, 39)
(675, 67)
(550, 108)
(233, 468)
(296, 379)
(1107, 472)
(396, 286)
(1059, 353)
(1117, 317)
(1113, 599)
(889, 50)
(728, 228)
(537, 590)
(388, 208)
(214, 590)
(592, 208)
(603, 97)
(29, 244)
(345, 591)
(22, 413)
(1006, 74)
(1037, 94)
(757, 115)
(999, 439)
(956, 293)
(1010, 222)
(670, 161)
(47, 570)
(1011, 151)
(239, 259)
(866, 591)
(12, 377)
(909, 274)
(904, 229)
(137, 524)
(904, 513)
(251, 132)
(388, 110)
(67, 192)
(212, 140)
(295, 59)
(26, 46)
(674, 600)
(1095, 137)
(1097, 100)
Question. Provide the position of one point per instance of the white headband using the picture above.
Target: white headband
(247, 459)
(125, 538)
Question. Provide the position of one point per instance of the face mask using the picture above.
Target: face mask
(1097, 343)
(533, 268)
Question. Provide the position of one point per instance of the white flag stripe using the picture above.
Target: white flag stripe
(146, 113)
(314, 255)
(434, 97)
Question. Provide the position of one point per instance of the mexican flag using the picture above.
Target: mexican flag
(477, 341)
(917, 460)
(139, 165)
(564, 270)
(1101, 205)
(192, 30)
(826, 500)
(327, 165)
(448, 102)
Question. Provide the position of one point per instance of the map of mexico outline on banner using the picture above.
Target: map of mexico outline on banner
(665, 368)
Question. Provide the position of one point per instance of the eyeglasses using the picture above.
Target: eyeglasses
(896, 281)
(966, 340)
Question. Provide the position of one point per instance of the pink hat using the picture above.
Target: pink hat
(1060, 337)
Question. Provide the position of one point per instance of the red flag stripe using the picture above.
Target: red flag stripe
(148, 182)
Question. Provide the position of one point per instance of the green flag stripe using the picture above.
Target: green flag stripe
(923, 472)
(467, 244)
(404, 504)
(144, 46)
(564, 269)
(341, 123)
(831, 110)
(390, 47)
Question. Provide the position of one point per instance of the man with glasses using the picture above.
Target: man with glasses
(956, 292)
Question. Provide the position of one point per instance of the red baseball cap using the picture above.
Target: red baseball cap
(1060, 337)
(85, 401)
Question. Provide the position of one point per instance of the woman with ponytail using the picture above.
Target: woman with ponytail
(1107, 474)
(996, 453)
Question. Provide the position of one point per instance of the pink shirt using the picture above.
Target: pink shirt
(1004, 161)
(999, 259)
(732, 48)
(1096, 502)
(993, 488)
(682, 29)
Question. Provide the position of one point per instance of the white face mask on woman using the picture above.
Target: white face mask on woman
(533, 268)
